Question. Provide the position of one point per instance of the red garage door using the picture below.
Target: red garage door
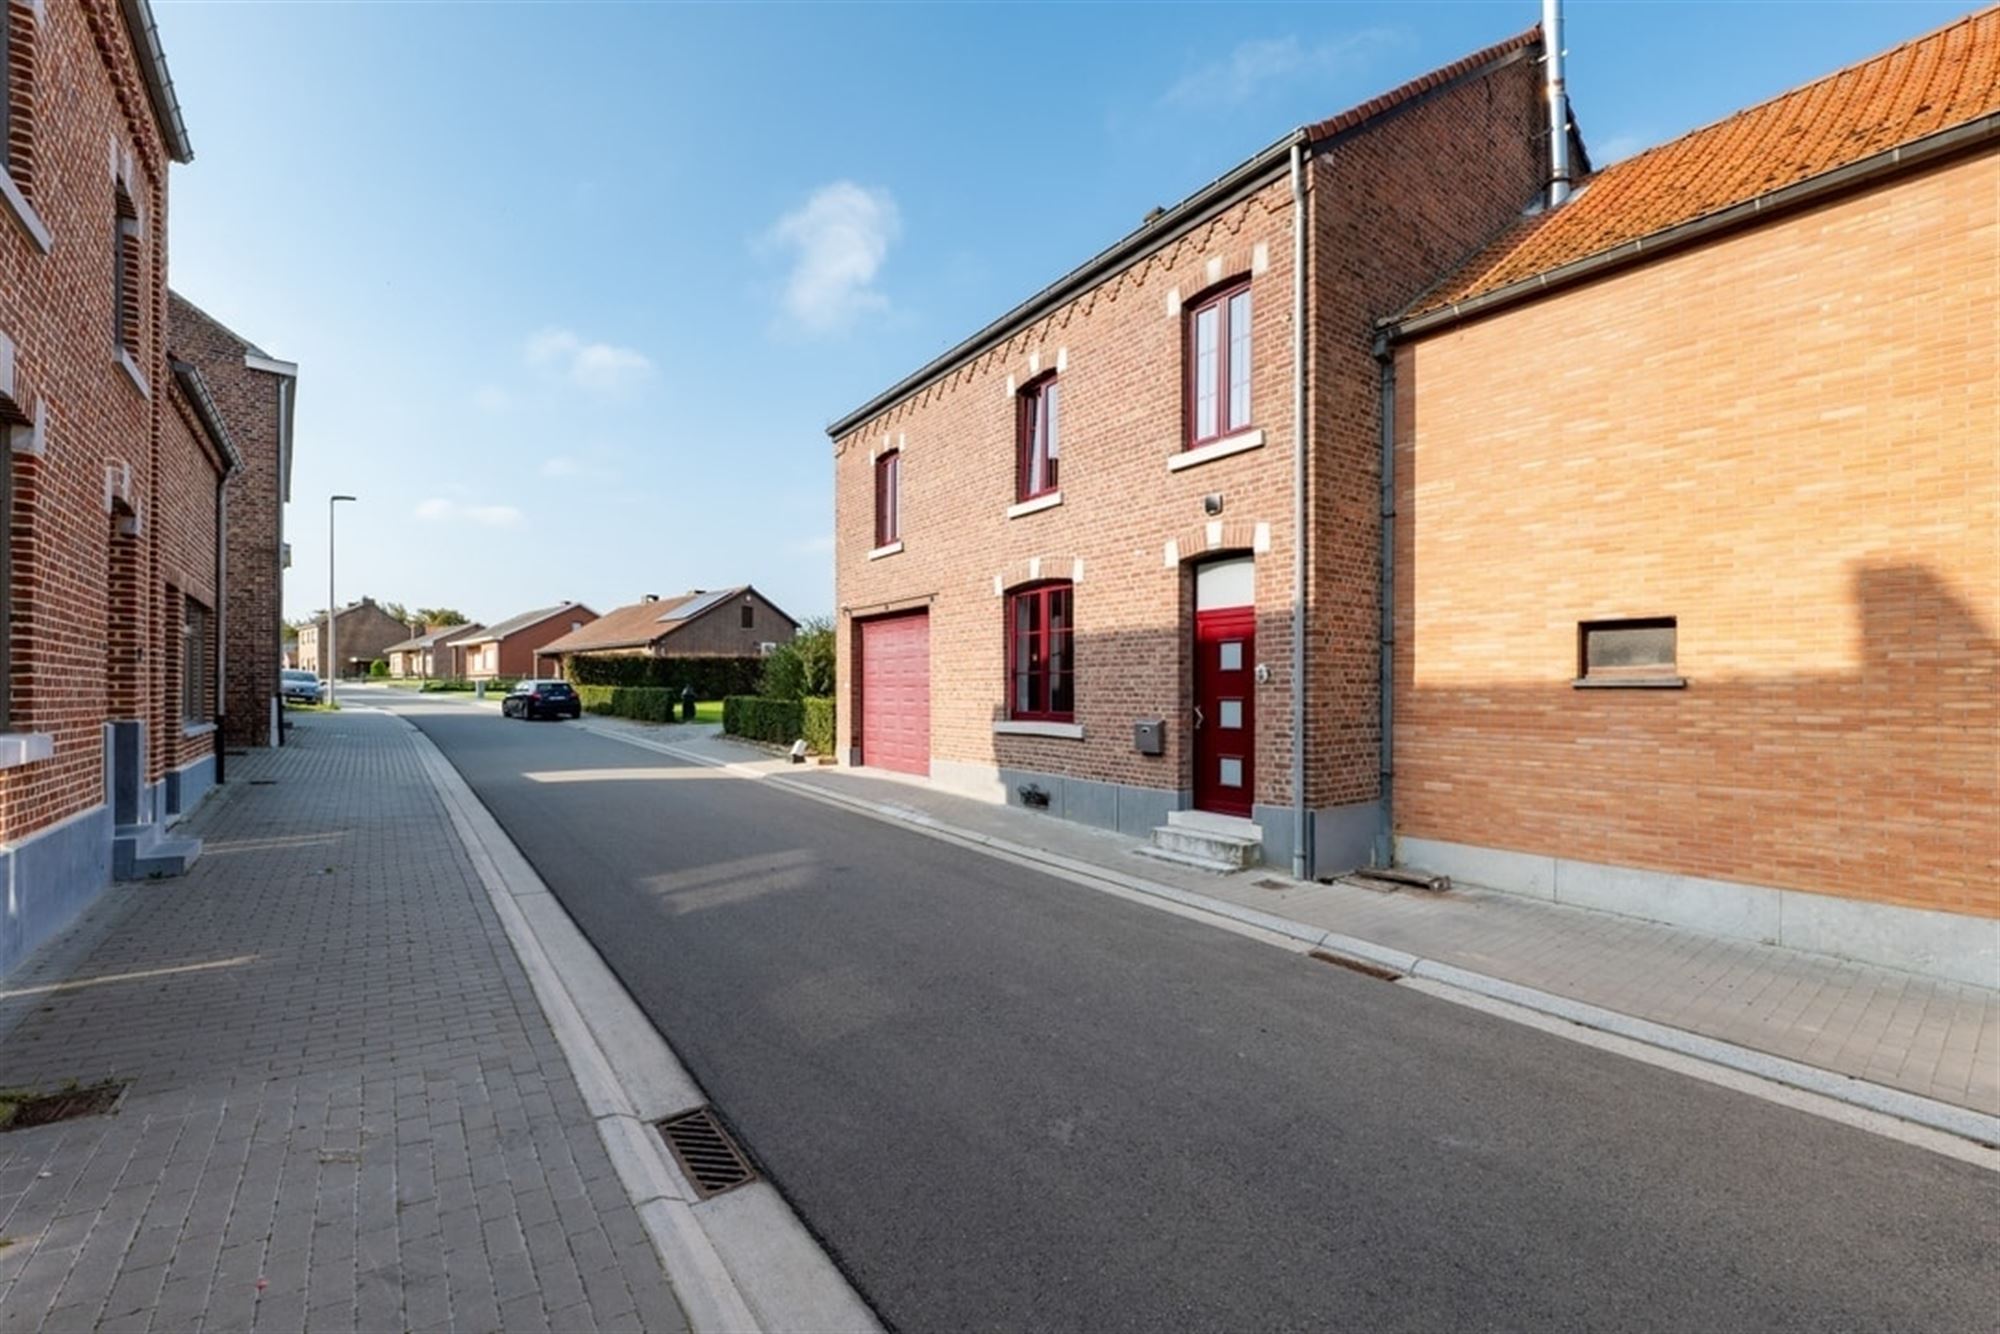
(896, 693)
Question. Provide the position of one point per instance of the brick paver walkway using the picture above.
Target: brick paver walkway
(1938, 1039)
(346, 1109)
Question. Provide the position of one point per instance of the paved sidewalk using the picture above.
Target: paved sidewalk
(1937, 1039)
(347, 1110)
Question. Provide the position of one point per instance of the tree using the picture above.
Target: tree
(803, 667)
(442, 616)
(397, 610)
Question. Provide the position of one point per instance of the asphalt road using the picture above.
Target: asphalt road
(1004, 1101)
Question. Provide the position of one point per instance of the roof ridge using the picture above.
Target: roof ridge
(1852, 67)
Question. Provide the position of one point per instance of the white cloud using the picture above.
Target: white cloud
(838, 241)
(439, 509)
(602, 367)
(1617, 147)
(1256, 66)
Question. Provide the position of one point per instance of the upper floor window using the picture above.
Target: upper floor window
(1038, 438)
(1041, 657)
(749, 614)
(17, 88)
(128, 304)
(889, 498)
(1218, 361)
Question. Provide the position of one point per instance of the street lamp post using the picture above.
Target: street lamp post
(332, 661)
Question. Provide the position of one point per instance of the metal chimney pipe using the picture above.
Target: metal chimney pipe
(1552, 64)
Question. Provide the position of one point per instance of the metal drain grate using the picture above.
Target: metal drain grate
(1355, 965)
(21, 1111)
(712, 1160)
(262, 782)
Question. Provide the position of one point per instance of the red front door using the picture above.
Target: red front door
(1225, 716)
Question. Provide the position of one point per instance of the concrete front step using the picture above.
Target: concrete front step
(1220, 824)
(1223, 849)
(142, 852)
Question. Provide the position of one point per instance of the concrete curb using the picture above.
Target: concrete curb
(1960, 1122)
(738, 1262)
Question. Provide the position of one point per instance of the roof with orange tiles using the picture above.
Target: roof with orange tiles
(1163, 225)
(1927, 86)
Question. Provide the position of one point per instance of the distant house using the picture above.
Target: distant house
(508, 648)
(735, 622)
(431, 653)
(363, 632)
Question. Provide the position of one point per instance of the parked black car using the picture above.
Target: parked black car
(541, 699)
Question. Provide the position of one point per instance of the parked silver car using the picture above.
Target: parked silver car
(298, 686)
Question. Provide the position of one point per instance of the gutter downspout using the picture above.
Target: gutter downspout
(221, 732)
(1385, 669)
(1302, 858)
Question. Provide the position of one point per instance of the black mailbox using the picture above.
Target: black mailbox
(1149, 736)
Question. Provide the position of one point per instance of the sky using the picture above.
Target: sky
(576, 288)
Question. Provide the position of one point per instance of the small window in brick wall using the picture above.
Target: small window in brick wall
(17, 93)
(749, 614)
(197, 649)
(1638, 652)
(889, 499)
(127, 299)
(1038, 438)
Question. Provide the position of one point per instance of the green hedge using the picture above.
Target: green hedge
(712, 678)
(648, 704)
(781, 721)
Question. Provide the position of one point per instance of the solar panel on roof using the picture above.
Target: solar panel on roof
(695, 607)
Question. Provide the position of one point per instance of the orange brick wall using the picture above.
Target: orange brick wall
(188, 479)
(1786, 439)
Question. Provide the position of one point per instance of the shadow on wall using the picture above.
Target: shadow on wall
(1881, 783)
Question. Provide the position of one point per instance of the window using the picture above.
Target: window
(889, 498)
(126, 299)
(1041, 655)
(1218, 357)
(6, 573)
(17, 94)
(749, 615)
(1633, 652)
(1038, 432)
(196, 648)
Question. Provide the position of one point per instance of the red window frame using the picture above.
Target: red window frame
(1041, 653)
(1219, 300)
(1037, 449)
(889, 498)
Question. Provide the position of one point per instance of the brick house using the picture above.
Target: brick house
(256, 394)
(1697, 584)
(363, 632)
(1069, 566)
(508, 648)
(735, 622)
(111, 481)
(429, 653)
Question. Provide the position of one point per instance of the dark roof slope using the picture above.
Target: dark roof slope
(1926, 86)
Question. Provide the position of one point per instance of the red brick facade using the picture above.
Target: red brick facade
(255, 395)
(1800, 465)
(86, 537)
(1395, 197)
